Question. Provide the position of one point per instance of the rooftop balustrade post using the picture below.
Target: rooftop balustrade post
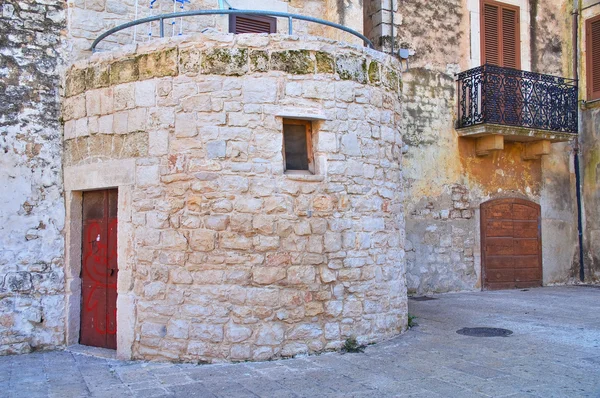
(290, 26)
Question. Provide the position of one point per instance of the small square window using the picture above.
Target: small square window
(297, 146)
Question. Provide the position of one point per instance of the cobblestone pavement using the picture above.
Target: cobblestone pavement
(554, 352)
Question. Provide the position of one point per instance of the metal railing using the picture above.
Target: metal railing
(512, 97)
(290, 17)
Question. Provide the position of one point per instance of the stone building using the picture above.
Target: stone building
(224, 196)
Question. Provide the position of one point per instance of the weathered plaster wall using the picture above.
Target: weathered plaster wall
(445, 181)
(231, 258)
(590, 160)
(31, 202)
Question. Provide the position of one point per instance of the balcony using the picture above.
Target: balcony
(497, 104)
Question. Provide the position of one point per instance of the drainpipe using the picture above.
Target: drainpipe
(576, 147)
(392, 34)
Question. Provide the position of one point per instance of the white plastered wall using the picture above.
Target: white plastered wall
(473, 7)
(116, 174)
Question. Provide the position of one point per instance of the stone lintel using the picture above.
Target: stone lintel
(513, 133)
(302, 114)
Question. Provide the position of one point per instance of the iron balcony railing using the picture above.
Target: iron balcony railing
(512, 97)
(290, 17)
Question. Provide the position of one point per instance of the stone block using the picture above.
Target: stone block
(295, 62)
(237, 333)
(307, 331)
(270, 334)
(124, 71)
(229, 240)
(185, 125)
(97, 76)
(268, 275)
(124, 96)
(351, 67)
(158, 64)
(259, 90)
(178, 329)
(207, 332)
(259, 61)
(225, 61)
(216, 149)
(145, 93)
(325, 62)
(155, 291)
(75, 82)
(203, 240)
(298, 275)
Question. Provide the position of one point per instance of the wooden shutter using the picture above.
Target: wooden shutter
(592, 38)
(252, 24)
(500, 34)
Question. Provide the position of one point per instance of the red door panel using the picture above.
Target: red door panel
(501, 211)
(521, 262)
(500, 275)
(499, 246)
(99, 269)
(500, 228)
(496, 262)
(526, 229)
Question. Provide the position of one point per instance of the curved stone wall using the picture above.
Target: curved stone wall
(231, 258)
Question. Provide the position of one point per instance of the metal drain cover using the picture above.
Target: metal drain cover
(485, 332)
(422, 298)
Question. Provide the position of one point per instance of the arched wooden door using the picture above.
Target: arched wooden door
(511, 242)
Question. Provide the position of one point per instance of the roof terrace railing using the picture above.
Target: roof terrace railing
(161, 18)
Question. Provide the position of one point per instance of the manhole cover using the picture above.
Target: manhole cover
(485, 332)
(422, 298)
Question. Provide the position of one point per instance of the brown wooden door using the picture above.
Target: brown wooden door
(511, 244)
(99, 269)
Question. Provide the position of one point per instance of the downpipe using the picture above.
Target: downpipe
(576, 147)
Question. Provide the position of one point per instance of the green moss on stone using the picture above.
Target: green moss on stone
(158, 64)
(75, 82)
(97, 76)
(296, 62)
(325, 62)
(259, 61)
(124, 71)
(351, 67)
(391, 79)
(375, 72)
(226, 61)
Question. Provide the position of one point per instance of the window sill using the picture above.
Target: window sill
(301, 175)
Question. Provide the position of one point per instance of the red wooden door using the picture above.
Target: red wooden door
(511, 244)
(99, 269)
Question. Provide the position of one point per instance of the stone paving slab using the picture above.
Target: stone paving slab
(553, 352)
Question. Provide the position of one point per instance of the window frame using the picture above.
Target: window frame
(499, 32)
(589, 64)
(272, 21)
(309, 145)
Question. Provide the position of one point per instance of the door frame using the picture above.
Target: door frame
(483, 228)
(119, 174)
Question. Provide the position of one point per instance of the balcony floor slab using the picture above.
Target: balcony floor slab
(514, 133)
